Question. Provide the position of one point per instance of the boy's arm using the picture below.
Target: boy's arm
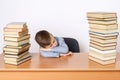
(54, 54)
(49, 54)
(62, 47)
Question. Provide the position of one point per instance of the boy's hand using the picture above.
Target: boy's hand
(69, 53)
(63, 55)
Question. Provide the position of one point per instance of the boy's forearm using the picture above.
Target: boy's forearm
(49, 54)
(60, 49)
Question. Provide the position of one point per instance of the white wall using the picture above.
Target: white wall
(60, 17)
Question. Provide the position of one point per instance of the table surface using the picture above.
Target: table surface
(76, 62)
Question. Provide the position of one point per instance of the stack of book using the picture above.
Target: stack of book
(103, 36)
(16, 40)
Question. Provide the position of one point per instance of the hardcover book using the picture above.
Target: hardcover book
(103, 55)
(17, 55)
(105, 27)
(17, 39)
(103, 22)
(6, 29)
(13, 43)
(19, 61)
(16, 49)
(16, 25)
(103, 41)
(101, 15)
(101, 47)
(103, 62)
(103, 31)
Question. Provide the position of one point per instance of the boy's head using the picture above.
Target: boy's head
(45, 39)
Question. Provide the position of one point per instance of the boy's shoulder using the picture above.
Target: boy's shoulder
(59, 38)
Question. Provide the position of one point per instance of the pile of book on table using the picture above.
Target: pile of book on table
(103, 36)
(16, 41)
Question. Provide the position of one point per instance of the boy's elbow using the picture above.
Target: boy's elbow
(65, 50)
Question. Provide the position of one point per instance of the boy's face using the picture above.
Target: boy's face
(53, 42)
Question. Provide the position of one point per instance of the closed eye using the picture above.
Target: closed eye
(52, 43)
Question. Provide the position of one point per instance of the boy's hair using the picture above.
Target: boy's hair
(43, 38)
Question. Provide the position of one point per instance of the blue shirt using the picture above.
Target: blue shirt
(56, 51)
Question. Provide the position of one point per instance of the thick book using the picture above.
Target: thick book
(103, 37)
(105, 27)
(103, 52)
(103, 41)
(16, 25)
(103, 44)
(101, 47)
(14, 43)
(11, 55)
(101, 14)
(102, 22)
(102, 56)
(103, 34)
(103, 31)
(102, 19)
(16, 49)
(6, 29)
(15, 33)
(15, 53)
(18, 62)
(17, 38)
(103, 62)
(16, 58)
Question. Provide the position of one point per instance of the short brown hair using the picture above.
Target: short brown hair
(43, 38)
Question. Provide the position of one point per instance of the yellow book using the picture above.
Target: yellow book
(16, 49)
(102, 14)
(15, 56)
(103, 62)
(16, 25)
(103, 37)
(104, 44)
(22, 60)
(103, 31)
(17, 38)
(103, 41)
(18, 58)
(103, 55)
(101, 47)
(102, 19)
(104, 27)
(103, 22)
(15, 33)
(6, 29)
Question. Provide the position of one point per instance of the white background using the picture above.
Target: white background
(64, 18)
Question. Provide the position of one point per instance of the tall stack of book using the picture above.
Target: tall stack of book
(16, 40)
(103, 36)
